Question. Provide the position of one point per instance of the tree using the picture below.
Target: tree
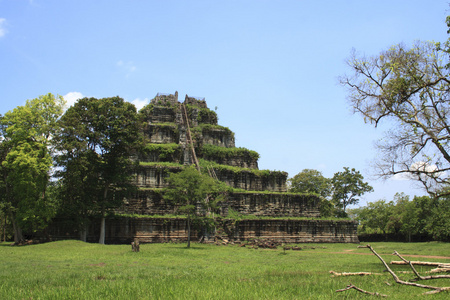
(409, 87)
(310, 181)
(347, 186)
(374, 218)
(439, 222)
(404, 218)
(193, 193)
(95, 141)
(26, 159)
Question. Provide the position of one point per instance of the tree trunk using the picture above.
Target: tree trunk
(102, 224)
(18, 236)
(4, 229)
(83, 233)
(102, 230)
(189, 231)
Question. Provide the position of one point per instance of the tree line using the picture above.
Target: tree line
(423, 218)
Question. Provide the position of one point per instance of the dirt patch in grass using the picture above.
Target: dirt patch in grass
(102, 264)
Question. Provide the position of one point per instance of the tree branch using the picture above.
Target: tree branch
(398, 280)
(351, 286)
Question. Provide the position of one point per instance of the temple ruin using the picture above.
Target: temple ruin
(184, 133)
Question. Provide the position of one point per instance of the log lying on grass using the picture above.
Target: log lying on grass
(419, 277)
(351, 286)
(439, 270)
(336, 274)
(421, 263)
(434, 289)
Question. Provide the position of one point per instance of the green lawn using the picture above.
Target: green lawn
(77, 270)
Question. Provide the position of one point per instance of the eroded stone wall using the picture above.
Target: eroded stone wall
(200, 102)
(248, 180)
(274, 205)
(158, 230)
(217, 137)
(163, 114)
(162, 98)
(238, 161)
(161, 134)
(297, 231)
(153, 176)
(151, 202)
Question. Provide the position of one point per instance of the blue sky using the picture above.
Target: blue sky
(270, 67)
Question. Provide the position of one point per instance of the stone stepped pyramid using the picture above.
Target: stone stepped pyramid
(273, 214)
(258, 192)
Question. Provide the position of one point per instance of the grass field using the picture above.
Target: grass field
(77, 270)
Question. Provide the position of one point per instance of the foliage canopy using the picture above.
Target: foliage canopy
(348, 185)
(95, 139)
(310, 181)
(194, 193)
(26, 151)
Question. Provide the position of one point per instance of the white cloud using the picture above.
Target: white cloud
(3, 30)
(72, 97)
(140, 103)
(127, 67)
(401, 177)
(418, 166)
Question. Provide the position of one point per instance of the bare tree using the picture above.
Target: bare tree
(409, 87)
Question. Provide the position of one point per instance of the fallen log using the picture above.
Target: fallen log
(336, 274)
(421, 263)
(399, 281)
(420, 277)
(439, 270)
(351, 286)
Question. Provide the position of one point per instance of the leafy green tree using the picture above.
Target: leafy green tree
(424, 206)
(434, 216)
(438, 225)
(409, 88)
(26, 159)
(347, 187)
(375, 217)
(95, 142)
(310, 181)
(404, 219)
(194, 194)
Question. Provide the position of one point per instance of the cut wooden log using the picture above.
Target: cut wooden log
(335, 274)
(421, 263)
(439, 270)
